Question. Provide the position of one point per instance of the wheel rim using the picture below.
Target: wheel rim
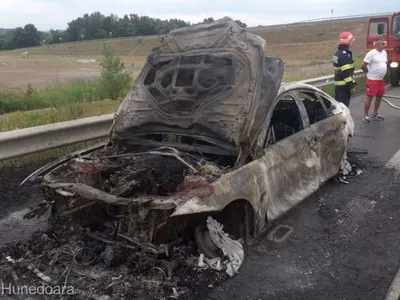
(206, 245)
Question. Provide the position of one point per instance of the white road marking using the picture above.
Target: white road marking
(394, 162)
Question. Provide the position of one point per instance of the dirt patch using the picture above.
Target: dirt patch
(49, 70)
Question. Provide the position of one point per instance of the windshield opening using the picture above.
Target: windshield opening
(396, 25)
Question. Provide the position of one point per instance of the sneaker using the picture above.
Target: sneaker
(377, 118)
(366, 119)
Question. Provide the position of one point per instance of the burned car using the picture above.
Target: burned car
(208, 129)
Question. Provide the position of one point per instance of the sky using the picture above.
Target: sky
(55, 14)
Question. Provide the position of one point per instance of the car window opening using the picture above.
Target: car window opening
(373, 29)
(286, 120)
(315, 110)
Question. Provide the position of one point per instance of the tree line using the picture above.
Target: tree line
(91, 27)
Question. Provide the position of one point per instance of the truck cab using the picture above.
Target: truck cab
(387, 28)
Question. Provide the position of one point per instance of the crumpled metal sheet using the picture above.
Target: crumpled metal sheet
(345, 166)
(235, 118)
(231, 249)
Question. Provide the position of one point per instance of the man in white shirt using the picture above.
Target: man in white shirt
(375, 65)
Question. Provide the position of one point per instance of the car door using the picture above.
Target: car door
(329, 129)
(291, 157)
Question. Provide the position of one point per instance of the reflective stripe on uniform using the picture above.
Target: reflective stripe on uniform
(348, 79)
(347, 67)
(344, 81)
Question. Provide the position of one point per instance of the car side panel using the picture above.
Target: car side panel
(292, 174)
(332, 135)
(282, 177)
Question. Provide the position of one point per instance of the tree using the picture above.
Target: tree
(25, 37)
(115, 81)
(208, 20)
(56, 36)
(88, 27)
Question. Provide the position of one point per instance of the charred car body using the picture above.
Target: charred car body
(207, 129)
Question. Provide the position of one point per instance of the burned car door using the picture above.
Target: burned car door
(330, 127)
(291, 156)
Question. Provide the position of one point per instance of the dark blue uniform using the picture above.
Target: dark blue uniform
(343, 64)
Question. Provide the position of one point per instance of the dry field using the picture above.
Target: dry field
(306, 50)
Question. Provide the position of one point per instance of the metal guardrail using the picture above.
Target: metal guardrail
(26, 141)
(327, 80)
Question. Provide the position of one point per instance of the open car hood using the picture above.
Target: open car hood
(210, 79)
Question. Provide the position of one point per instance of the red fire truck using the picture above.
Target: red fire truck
(389, 29)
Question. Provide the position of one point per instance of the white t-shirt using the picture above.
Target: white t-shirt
(377, 64)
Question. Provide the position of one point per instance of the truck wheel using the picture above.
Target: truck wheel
(394, 77)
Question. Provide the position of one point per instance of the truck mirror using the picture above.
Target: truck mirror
(381, 28)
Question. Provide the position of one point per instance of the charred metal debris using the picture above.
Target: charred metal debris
(135, 191)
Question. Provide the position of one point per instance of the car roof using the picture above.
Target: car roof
(289, 86)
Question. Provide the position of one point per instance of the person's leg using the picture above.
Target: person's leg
(337, 94)
(367, 105)
(378, 100)
(377, 103)
(342, 94)
(346, 97)
(369, 93)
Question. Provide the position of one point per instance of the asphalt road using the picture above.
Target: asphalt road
(345, 240)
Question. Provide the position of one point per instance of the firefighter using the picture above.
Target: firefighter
(343, 64)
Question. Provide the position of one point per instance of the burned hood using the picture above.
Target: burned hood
(212, 79)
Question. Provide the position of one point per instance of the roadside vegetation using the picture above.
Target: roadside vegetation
(21, 109)
(62, 103)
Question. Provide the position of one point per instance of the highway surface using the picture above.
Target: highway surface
(345, 238)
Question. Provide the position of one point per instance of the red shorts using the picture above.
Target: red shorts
(375, 87)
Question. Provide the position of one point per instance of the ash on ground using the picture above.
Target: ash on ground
(97, 267)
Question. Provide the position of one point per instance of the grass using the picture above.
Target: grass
(357, 61)
(122, 47)
(72, 93)
(24, 119)
(59, 111)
